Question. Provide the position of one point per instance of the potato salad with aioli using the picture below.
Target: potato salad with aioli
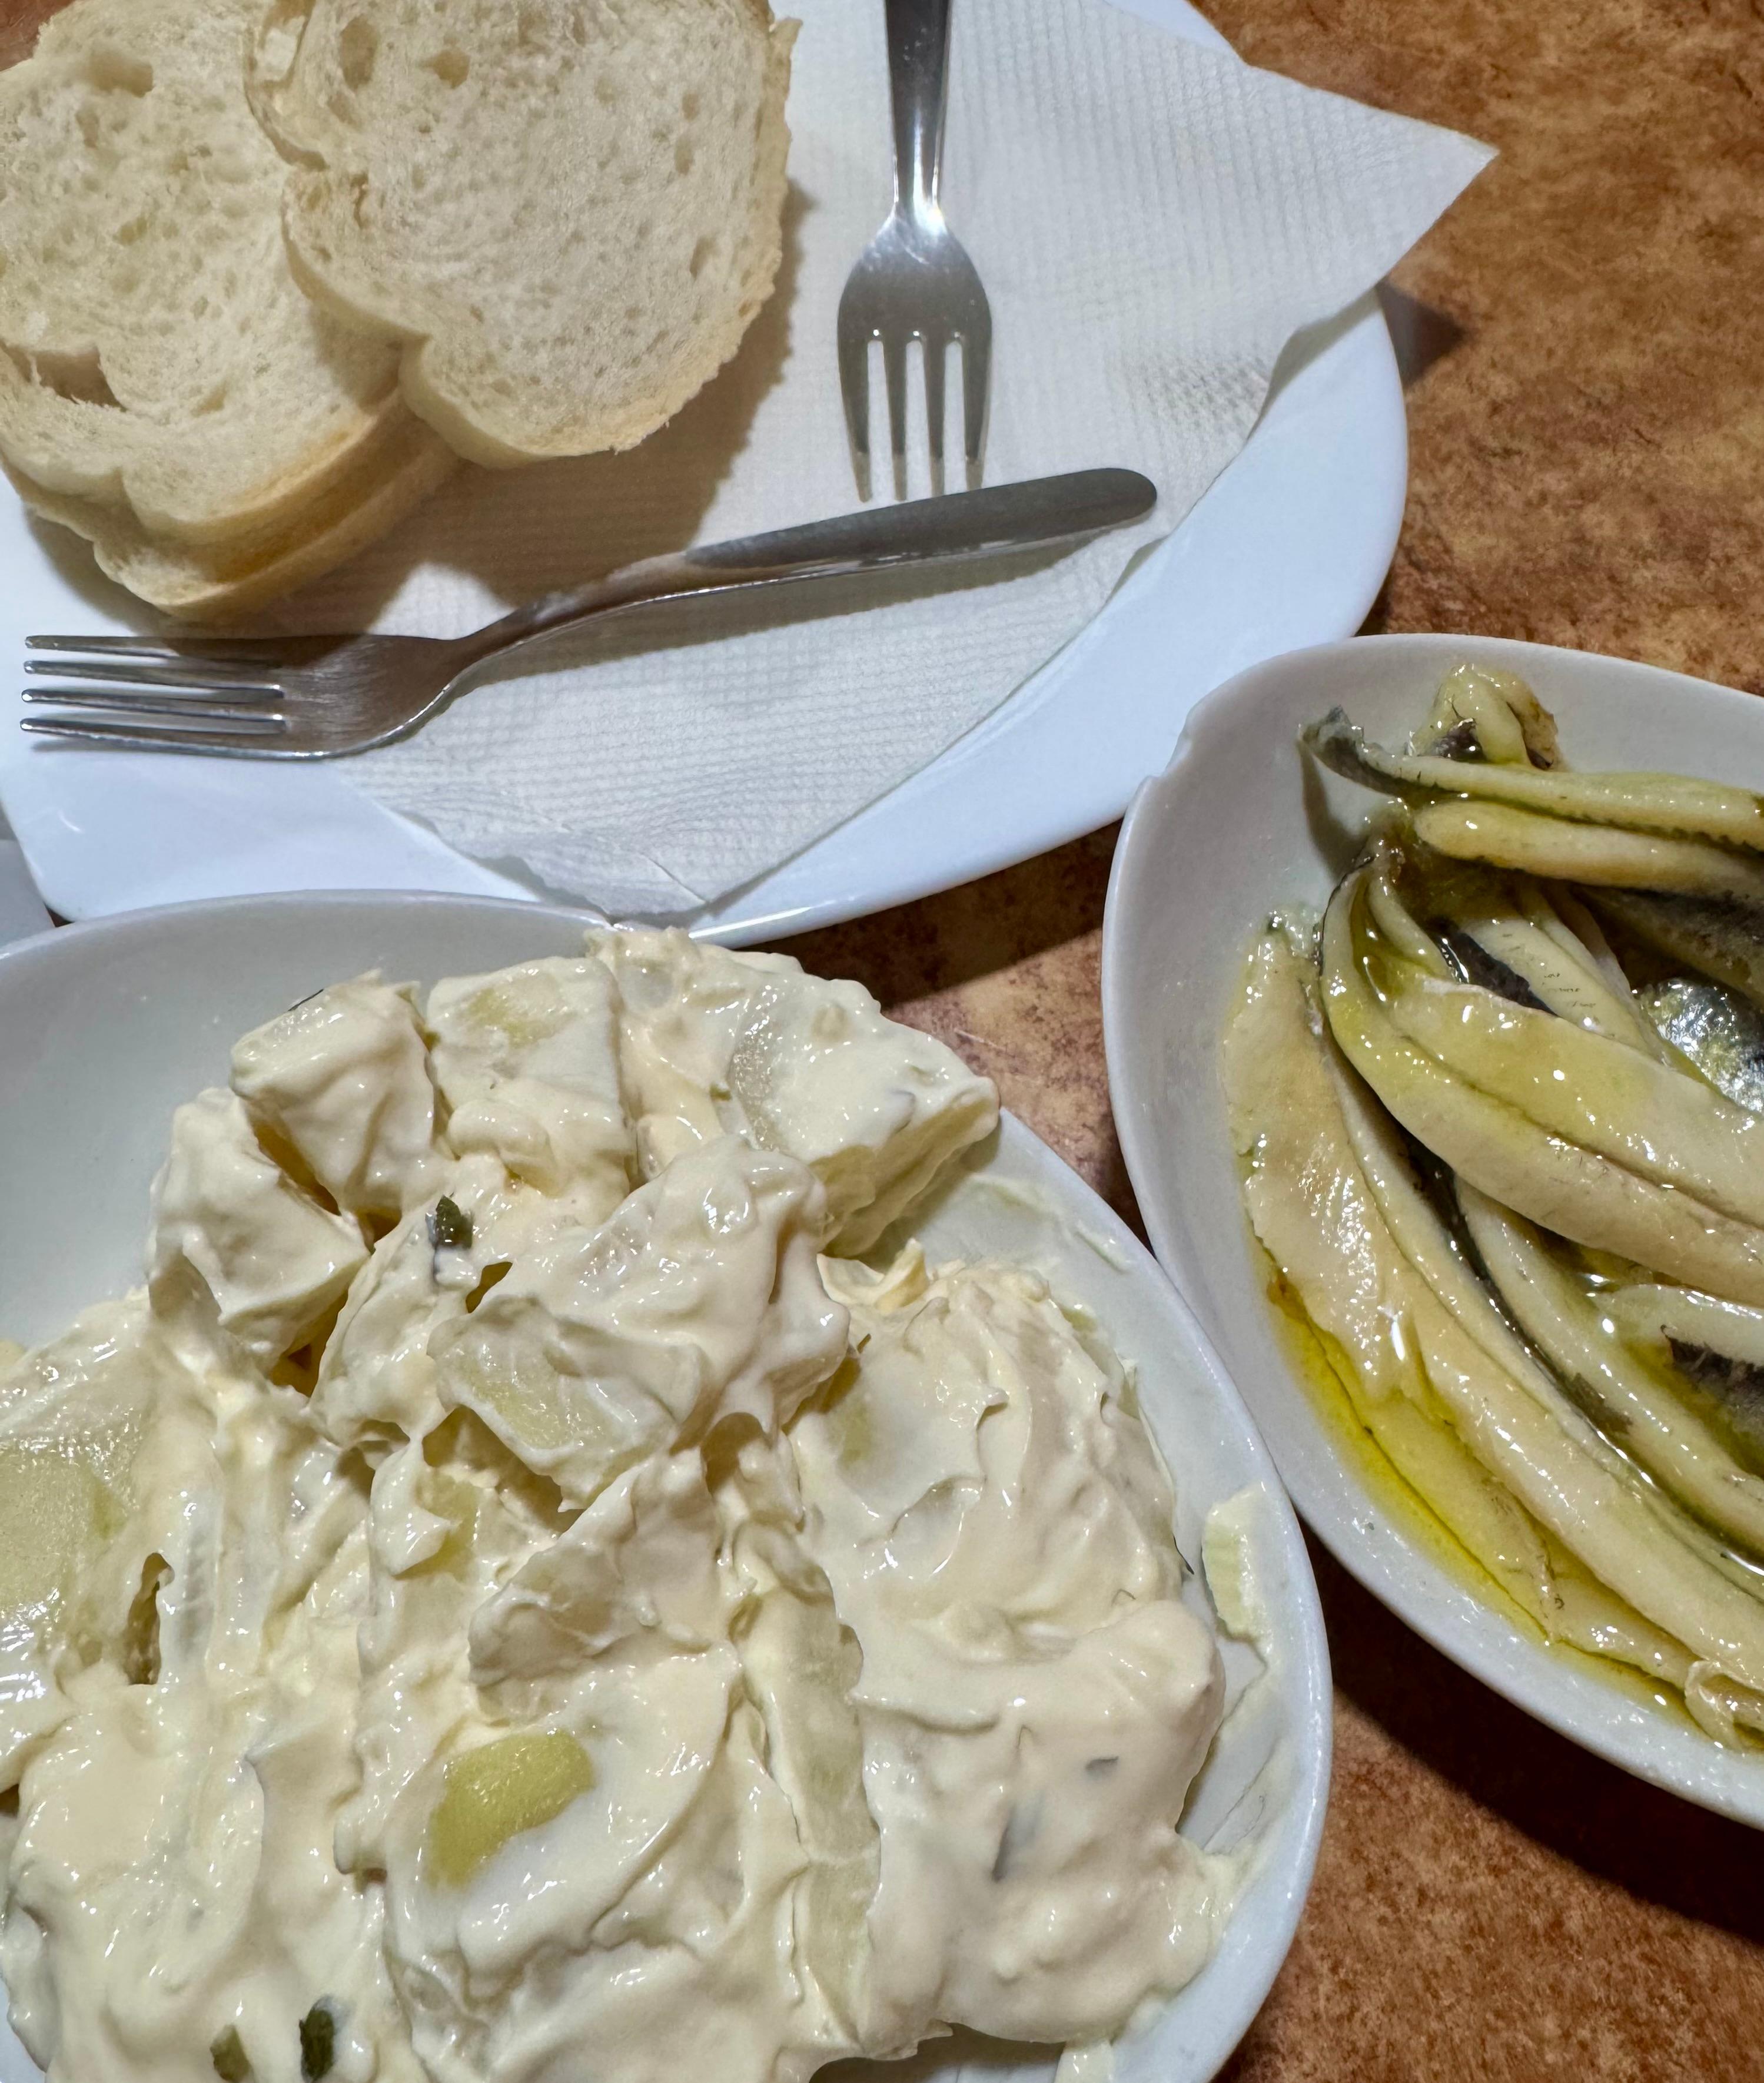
(528, 1591)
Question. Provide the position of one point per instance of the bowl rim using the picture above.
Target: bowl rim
(287, 903)
(1419, 1592)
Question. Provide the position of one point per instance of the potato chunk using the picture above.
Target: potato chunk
(495, 1791)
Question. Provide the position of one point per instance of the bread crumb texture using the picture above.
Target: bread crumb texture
(163, 379)
(566, 212)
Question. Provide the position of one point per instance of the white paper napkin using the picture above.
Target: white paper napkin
(1153, 222)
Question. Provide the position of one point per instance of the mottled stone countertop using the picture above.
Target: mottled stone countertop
(1583, 344)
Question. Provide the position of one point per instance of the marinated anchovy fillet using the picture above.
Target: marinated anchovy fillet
(1434, 1373)
(492, 1593)
(1599, 854)
(1631, 1198)
(1632, 1400)
(1480, 712)
(1508, 936)
(1738, 1384)
(1506, 1163)
(1715, 1344)
(1724, 941)
(1663, 803)
(1570, 1080)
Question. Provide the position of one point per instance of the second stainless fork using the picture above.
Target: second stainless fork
(315, 697)
(913, 281)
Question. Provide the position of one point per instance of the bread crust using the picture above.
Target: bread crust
(223, 582)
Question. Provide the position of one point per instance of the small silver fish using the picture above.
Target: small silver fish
(1717, 1029)
(1724, 940)
(1736, 1384)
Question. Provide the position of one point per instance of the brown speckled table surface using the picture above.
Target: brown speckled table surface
(1583, 344)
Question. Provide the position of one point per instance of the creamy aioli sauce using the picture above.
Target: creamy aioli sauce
(500, 1590)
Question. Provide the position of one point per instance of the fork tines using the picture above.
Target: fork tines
(975, 346)
(172, 692)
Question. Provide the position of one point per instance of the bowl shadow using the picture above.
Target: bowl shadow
(1656, 1846)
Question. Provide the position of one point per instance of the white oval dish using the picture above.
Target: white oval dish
(104, 1028)
(1289, 545)
(1240, 823)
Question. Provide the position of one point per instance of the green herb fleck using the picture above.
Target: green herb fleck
(228, 2055)
(140, 1632)
(450, 1227)
(318, 2041)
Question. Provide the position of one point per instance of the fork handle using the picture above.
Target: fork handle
(1038, 512)
(919, 79)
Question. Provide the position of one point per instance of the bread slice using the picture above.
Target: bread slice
(568, 211)
(157, 360)
(218, 582)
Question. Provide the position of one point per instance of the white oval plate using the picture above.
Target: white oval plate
(1289, 546)
(104, 1028)
(1240, 823)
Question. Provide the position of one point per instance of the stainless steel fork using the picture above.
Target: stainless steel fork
(913, 281)
(315, 697)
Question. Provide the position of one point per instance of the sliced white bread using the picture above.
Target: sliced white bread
(218, 582)
(157, 360)
(568, 211)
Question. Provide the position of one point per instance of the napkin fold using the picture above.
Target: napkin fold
(1153, 220)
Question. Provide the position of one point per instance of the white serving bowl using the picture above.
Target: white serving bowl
(1240, 823)
(104, 1028)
